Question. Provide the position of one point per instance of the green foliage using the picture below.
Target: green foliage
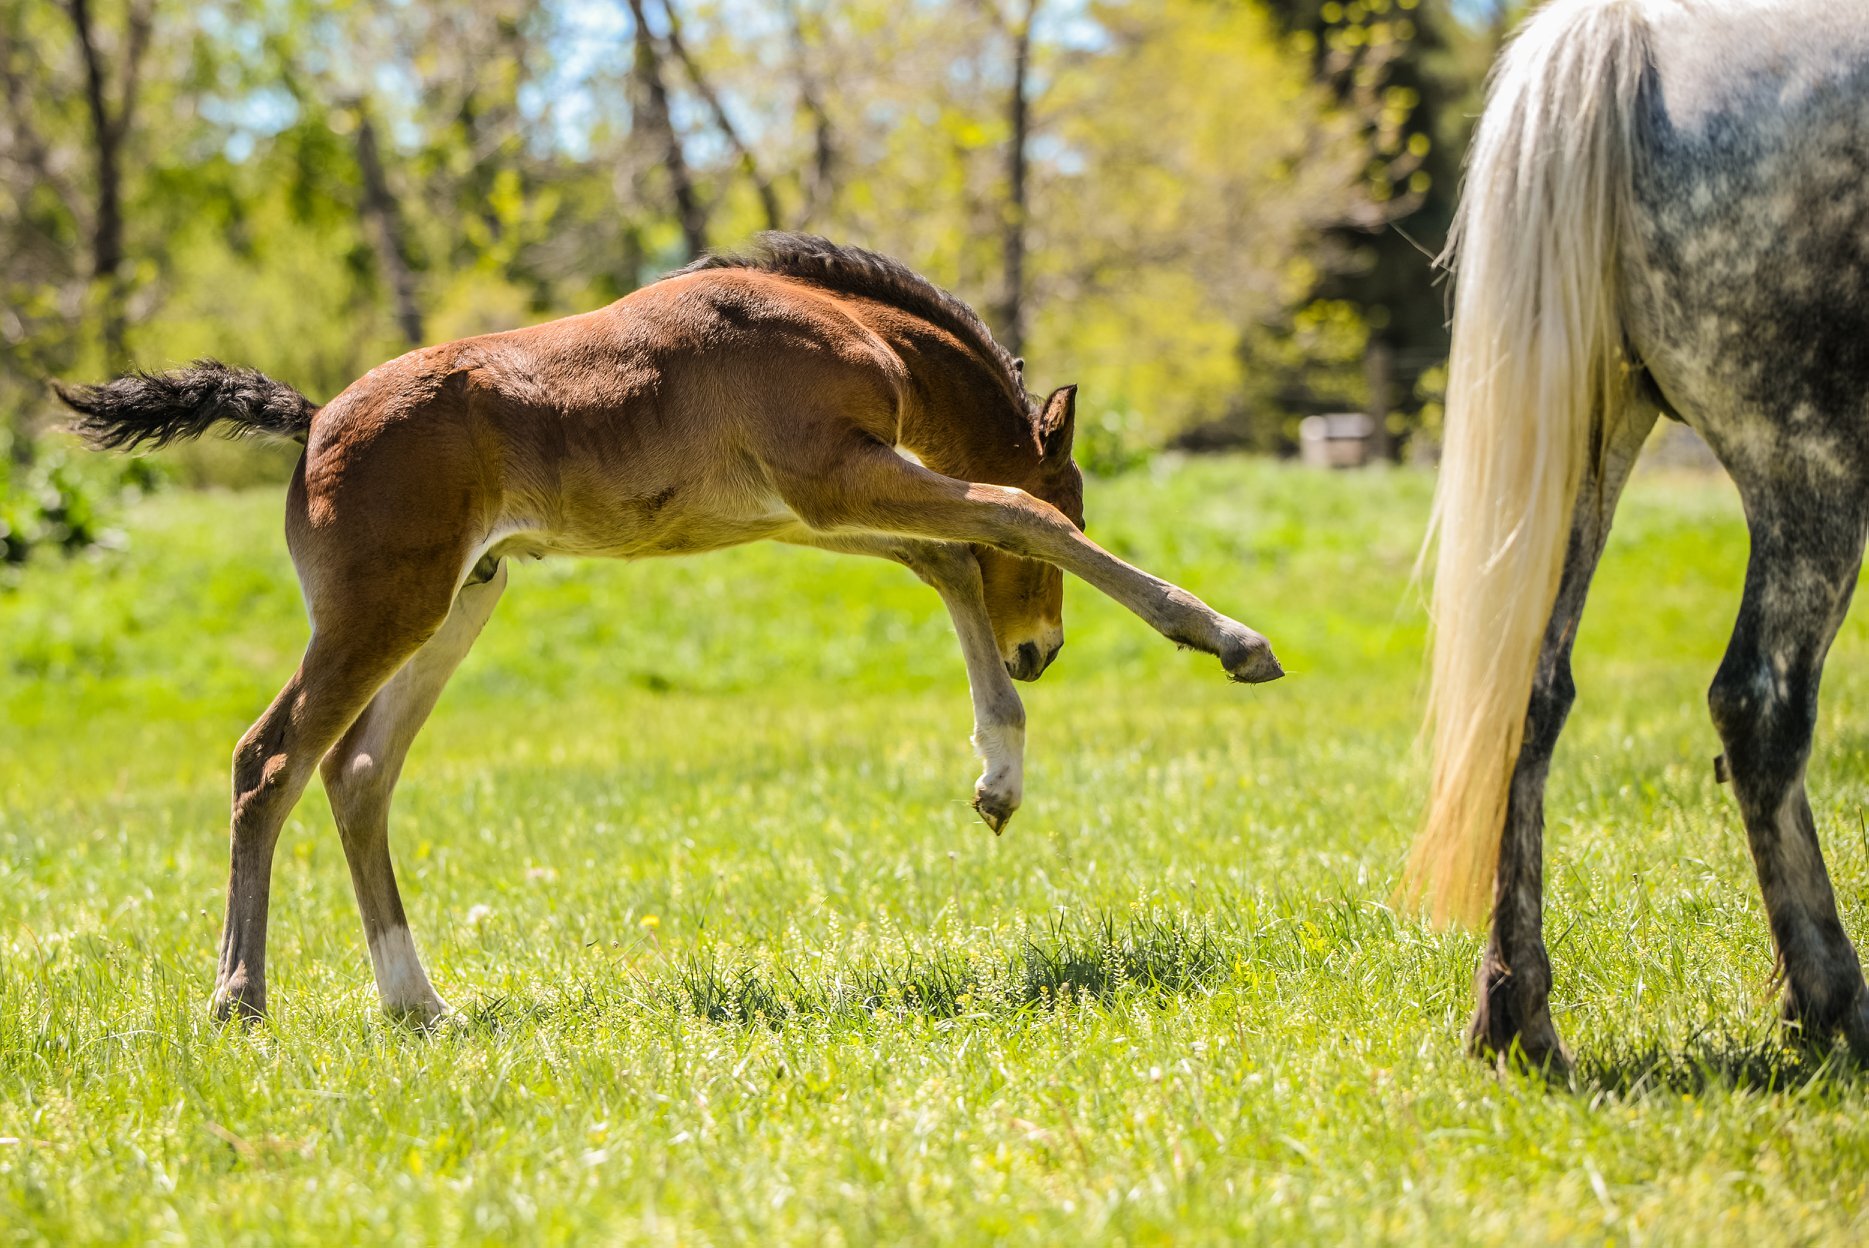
(1310, 363)
(1431, 393)
(687, 843)
(1406, 73)
(60, 501)
(1108, 441)
(1190, 165)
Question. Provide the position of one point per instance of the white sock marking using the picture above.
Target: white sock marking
(400, 980)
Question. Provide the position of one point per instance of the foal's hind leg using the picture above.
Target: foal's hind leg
(872, 488)
(1514, 979)
(360, 775)
(1807, 542)
(372, 605)
(342, 668)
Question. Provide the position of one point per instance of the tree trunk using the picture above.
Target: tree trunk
(386, 229)
(1011, 311)
(109, 126)
(688, 209)
(768, 198)
(821, 191)
(1379, 377)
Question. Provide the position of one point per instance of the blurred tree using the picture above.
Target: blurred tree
(749, 164)
(1396, 67)
(657, 120)
(821, 184)
(101, 101)
(1195, 160)
(1015, 20)
(110, 95)
(1185, 205)
(385, 216)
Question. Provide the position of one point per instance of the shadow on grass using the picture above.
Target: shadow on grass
(1768, 1063)
(1095, 959)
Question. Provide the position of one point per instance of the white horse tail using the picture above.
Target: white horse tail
(1536, 374)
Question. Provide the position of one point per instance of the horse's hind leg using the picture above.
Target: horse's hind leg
(1514, 979)
(1807, 543)
(360, 774)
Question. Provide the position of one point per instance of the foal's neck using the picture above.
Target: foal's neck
(960, 421)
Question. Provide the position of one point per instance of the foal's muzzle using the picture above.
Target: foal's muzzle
(1028, 663)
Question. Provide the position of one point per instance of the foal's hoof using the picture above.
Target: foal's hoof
(994, 809)
(1248, 658)
(430, 1014)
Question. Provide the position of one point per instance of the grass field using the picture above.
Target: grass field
(688, 846)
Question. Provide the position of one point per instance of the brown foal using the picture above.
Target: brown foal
(809, 393)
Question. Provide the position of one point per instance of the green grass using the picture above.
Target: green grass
(688, 845)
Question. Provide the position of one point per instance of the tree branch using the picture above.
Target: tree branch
(107, 225)
(1012, 246)
(141, 23)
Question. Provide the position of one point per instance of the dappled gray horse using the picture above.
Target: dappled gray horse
(1667, 211)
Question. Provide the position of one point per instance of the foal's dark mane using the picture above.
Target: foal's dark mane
(854, 271)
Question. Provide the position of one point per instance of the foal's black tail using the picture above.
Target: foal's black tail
(159, 408)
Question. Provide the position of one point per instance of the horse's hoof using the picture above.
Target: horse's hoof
(234, 1003)
(1817, 1023)
(1535, 1050)
(1249, 659)
(1855, 1028)
(1514, 1029)
(1530, 1055)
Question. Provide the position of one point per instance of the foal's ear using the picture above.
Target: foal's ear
(1057, 421)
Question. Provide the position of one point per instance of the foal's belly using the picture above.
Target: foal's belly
(642, 526)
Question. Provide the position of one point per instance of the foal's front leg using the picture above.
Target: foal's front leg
(875, 489)
(998, 715)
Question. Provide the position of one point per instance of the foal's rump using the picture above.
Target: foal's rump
(381, 524)
(673, 413)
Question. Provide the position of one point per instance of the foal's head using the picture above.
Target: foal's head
(1025, 597)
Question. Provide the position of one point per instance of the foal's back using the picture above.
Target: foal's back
(647, 427)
